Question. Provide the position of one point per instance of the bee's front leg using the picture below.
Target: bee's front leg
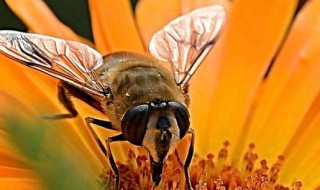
(111, 159)
(99, 123)
(188, 159)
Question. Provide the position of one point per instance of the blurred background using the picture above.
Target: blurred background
(76, 17)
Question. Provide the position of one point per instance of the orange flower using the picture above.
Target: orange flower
(259, 86)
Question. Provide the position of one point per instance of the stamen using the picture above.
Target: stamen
(205, 173)
(222, 156)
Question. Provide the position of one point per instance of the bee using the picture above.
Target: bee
(145, 101)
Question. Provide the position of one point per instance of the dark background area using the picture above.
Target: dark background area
(74, 13)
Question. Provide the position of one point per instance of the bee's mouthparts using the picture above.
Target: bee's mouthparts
(165, 136)
(156, 168)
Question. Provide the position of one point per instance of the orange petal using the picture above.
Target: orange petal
(114, 27)
(15, 172)
(152, 15)
(28, 85)
(9, 156)
(302, 151)
(15, 81)
(40, 19)
(302, 154)
(291, 87)
(187, 6)
(294, 95)
(19, 183)
(223, 89)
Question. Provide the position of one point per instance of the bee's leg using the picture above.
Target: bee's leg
(188, 159)
(107, 152)
(178, 157)
(111, 160)
(100, 123)
(64, 99)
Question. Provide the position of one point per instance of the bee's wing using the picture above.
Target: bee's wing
(187, 40)
(70, 61)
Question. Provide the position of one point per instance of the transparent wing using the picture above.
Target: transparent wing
(186, 40)
(69, 61)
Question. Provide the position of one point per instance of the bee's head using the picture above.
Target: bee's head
(157, 126)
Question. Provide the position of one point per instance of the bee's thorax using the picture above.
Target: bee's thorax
(135, 80)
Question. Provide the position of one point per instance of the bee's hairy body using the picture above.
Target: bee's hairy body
(135, 79)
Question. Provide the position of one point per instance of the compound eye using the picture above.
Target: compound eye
(134, 124)
(182, 117)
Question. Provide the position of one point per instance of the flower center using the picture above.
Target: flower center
(205, 173)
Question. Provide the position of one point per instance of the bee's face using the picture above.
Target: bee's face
(162, 134)
(161, 137)
(157, 123)
(158, 127)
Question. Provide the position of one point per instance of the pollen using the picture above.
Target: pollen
(206, 173)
